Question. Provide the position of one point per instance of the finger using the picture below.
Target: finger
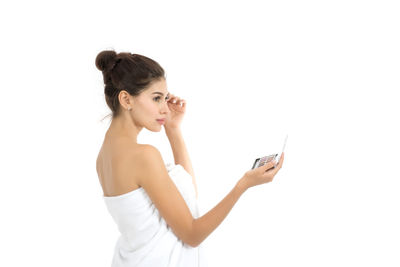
(173, 101)
(281, 159)
(269, 165)
(176, 100)
(181, 102)
(172, 98)
(271, 171)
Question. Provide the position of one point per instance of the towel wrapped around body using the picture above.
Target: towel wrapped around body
(146, 239)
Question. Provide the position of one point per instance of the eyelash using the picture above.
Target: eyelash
(158, 98)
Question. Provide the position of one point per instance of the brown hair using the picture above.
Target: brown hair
(133, 73)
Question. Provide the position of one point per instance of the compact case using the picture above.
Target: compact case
(264, 160)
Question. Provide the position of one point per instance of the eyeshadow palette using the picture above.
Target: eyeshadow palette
(264, 160)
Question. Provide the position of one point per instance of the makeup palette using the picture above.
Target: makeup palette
(264, 160)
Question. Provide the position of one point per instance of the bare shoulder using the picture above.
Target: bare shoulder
(151, 152)
(148, 159)
(147, 151)
(155, 180)
(144, 153)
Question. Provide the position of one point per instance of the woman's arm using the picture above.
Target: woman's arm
(154, 178)
(202, 227)
(181, 155)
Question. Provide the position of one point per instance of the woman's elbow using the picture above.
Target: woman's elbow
(192, 244)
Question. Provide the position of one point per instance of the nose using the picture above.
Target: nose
(165, 108)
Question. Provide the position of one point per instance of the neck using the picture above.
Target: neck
(124, 126)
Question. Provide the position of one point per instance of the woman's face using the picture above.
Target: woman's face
(151, 105)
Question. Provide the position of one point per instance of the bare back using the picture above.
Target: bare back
(114, 172)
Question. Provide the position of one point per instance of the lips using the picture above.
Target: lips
(163, 120)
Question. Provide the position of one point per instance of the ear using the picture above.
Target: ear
(125, 99)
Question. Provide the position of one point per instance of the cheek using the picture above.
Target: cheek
(149, 105)
(154, 108)
(146, 108)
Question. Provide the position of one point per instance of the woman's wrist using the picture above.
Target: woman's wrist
(171, 129)
(242, 185)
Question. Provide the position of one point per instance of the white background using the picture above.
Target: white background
(324, 72)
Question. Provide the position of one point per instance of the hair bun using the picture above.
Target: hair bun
(106, 60)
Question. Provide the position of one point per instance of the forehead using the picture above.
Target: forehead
(159, 86)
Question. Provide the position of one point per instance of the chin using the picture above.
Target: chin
(155, 129)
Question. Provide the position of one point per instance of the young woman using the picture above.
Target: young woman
(154, 204)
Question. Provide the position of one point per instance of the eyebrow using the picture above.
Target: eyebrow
(160, 93)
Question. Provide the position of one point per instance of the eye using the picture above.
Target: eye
(158, 98)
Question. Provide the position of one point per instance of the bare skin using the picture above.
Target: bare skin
(120, 141)
(114, 176)
(124, 165)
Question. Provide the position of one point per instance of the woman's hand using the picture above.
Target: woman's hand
(177, 106)
(263, 174)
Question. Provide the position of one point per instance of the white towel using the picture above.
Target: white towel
(146, 239)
